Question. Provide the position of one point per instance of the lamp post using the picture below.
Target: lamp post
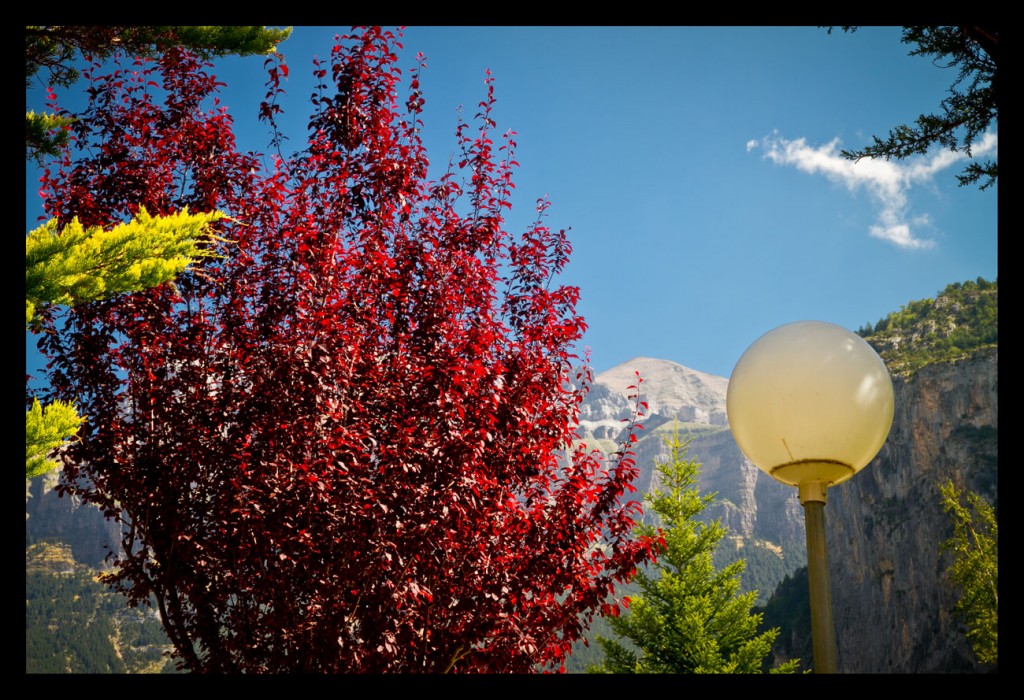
(811, 403)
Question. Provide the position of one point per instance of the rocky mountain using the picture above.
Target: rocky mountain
(764, 517)
(50, 518)
(670, 390)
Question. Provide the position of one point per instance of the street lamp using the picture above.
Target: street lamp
(811, 403)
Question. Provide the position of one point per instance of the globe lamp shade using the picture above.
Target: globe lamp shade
(810, 402)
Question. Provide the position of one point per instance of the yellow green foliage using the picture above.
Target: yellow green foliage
(78, 265)
(45, 431)
(44, 135)
(975, 569)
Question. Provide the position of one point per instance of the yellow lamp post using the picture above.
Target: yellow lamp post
(811, 403)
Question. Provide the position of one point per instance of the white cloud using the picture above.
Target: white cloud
(886, 181)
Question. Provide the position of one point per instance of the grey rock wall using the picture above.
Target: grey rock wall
(49, 517)
(890, 590)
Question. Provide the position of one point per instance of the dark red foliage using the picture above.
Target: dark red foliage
(348, 444)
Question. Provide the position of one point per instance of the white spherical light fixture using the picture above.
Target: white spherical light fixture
(810, 402)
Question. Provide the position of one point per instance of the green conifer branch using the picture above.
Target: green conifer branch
(45, 431)
(77, 265)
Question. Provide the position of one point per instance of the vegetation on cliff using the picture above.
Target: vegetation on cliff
(975, 569)
(963, 318)
(75, 624)
(789, 610)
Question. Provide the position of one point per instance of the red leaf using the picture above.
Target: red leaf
(348, 421)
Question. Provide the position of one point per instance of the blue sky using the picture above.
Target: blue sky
(698, 170)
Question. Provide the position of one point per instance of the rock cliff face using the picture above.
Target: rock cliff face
(890, 590)
(53, 519)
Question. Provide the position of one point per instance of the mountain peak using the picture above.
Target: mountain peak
(653, 370)
(670, 388)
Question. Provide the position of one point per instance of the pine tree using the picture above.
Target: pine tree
(971, 107)
(688, 617)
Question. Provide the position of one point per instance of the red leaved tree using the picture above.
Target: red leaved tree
(348, 443)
